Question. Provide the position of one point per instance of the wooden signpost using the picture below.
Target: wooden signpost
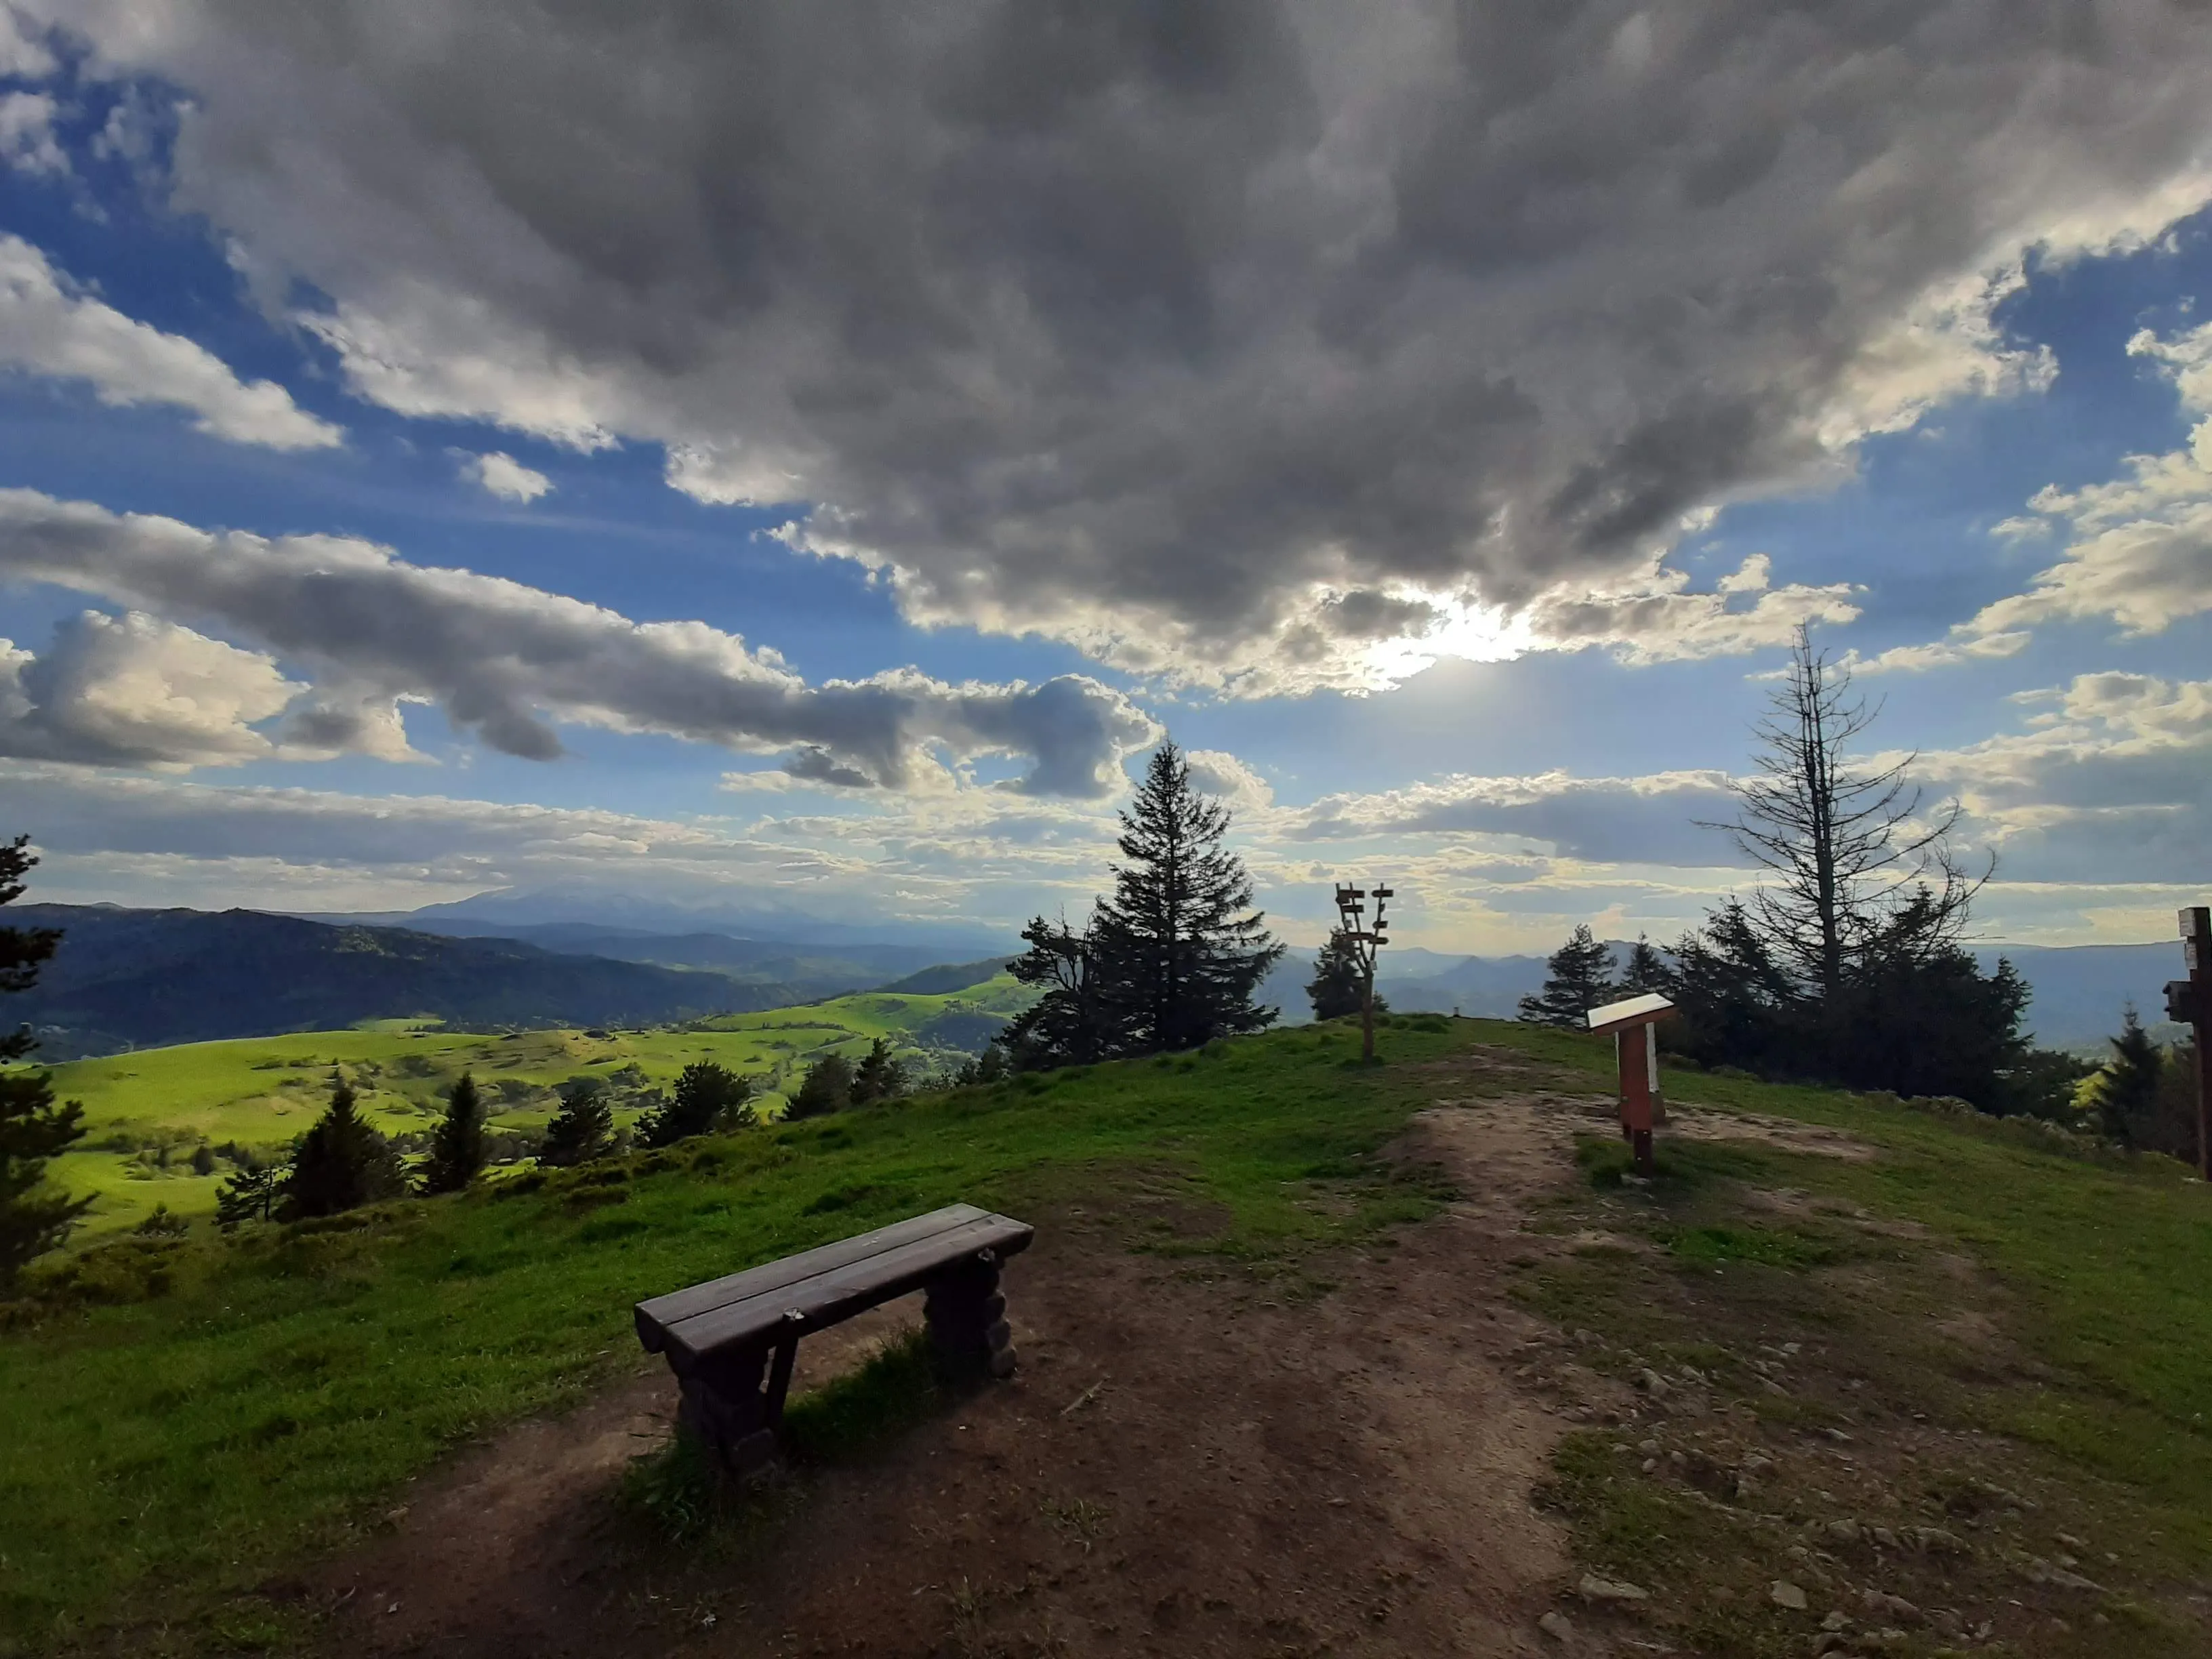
(1635, 1027)
(2190, 1001)
(1364, 940)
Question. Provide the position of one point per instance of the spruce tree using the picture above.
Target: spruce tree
(1071, 1023)
(252, 1193)
(341, 1163)
(2126, 1090)
(33, 1128)
(828, 1088)
(989, 1067)
(1647, 972)
(879, 1076)
(457, 1147)
(1737, 1005)
(1578, 978)
(584, 1127)
(707, 1097)
(1338, 985)
(1177, 949)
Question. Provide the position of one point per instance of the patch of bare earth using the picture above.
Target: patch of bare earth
(1186, 1463)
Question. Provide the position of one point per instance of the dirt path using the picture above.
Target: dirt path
(1180, 1467)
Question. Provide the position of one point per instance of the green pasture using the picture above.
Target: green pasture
(181, 1420)
(147, 1112)
(195, 1412)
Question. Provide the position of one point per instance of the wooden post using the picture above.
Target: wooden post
(1366, 942)
(2190, 1001)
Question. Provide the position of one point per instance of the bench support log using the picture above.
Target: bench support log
(733, 1404)
(969, 1336)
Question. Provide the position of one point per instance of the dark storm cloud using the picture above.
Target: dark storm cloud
(503, 659)
(1165, 326)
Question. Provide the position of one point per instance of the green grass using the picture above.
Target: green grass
(2098, 1394)
(147, 1111)
(205, 1412)
(159, 1457)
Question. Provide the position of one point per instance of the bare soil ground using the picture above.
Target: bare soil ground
(1188, 1461)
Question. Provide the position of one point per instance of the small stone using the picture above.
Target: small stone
(1555, 1625)
(1650, 1464)
(1884, 1536)
(1837, 1620)
(1594, 1589)
(1648, 1447)
(1843, 1532)
(1653, 1384)
(1787, 1594)
(1895, 1608)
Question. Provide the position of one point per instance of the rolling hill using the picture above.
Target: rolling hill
(127, 979)
(149, 1113)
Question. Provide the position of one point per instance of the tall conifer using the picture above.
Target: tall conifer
(1178, 949)
(458, 1148)
(1578, 978)
(33, 1128)
(341, 1163)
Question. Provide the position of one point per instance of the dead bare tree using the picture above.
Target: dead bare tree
(1856, 867)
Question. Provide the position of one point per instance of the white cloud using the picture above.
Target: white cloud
(22, 57)
(1165, 332)
(503, 476)
(2137, 549)
(1649, 820)
(26, 134)
(2109, 782)
(1939, 653)
(135, 690)
(1654, 617)
(48, 326)
(1228, 779)
(500, 657)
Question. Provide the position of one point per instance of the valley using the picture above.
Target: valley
(166, 1125)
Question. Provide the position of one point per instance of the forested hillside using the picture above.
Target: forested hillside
(124, 978)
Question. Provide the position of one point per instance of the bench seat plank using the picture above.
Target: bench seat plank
(655, 1315)
(823, 1298)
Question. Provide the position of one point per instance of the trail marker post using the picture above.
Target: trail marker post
(2190, 1001)
(1635, 1027)
(1365, 941)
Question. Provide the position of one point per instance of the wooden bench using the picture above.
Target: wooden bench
(731, 1341)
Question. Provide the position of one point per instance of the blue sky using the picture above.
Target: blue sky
(794, 487)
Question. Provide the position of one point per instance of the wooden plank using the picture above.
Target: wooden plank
(826, 1298)
(656, 1314)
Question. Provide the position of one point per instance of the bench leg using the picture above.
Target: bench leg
(968, 1334)
(726, 1410)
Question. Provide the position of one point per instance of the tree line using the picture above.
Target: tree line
(1847, 964)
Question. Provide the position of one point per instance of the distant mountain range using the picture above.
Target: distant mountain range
(141, 978)
(127, 979)
(513, 913)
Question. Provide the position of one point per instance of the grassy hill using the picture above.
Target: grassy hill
(125, 979)
(149, 1111)
(194, 1416)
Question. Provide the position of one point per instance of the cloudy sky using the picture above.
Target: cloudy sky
(794, 459)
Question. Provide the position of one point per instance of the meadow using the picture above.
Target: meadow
(149, 1113)
(184, 1419)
